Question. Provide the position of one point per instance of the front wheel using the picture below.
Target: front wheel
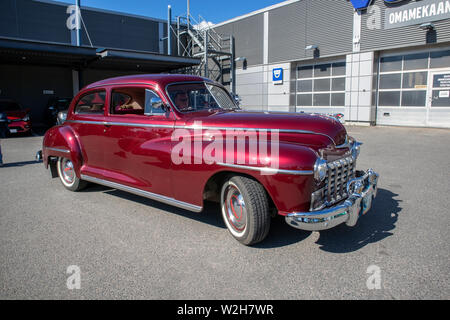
(245, 209)
(67, 175)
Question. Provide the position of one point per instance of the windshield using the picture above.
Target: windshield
(9, 106)
(197, 96)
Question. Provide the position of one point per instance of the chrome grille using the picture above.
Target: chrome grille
(340, 172)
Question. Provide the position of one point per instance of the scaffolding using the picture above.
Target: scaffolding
(197, 39)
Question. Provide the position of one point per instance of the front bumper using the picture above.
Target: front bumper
(362, 191)
(19, 126)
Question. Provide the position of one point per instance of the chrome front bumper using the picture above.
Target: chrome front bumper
(362, 191)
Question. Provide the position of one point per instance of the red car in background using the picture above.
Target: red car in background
(19, 118)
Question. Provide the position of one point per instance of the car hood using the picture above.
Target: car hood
(303, 128)
(15, 115)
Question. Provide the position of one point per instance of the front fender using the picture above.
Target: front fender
(289, 184)
(62, 141)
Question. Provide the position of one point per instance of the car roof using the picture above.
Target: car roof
(155, 79)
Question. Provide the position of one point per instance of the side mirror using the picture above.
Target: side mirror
(61, 118)
(236, 99)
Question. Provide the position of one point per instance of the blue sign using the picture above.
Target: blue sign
(363, 4)
(360, 4)
(277, 75)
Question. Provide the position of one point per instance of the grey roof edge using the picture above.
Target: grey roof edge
(30, 45)
(143, 55)
(65, 4)
(56, 47)
(275, 6)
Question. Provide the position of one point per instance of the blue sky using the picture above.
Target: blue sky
(213, 10)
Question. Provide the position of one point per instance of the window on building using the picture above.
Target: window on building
(403, 80)
(416, 61)
(440, 59)
(389, 64)
(321, 85)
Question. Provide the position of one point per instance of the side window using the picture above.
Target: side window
(92, 103)
(129, 100)
(153, 103)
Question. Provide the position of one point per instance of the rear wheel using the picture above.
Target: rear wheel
(245, 209)
(68, 176)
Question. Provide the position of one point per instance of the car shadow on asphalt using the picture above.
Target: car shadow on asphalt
(19, 164)
(280, 234)
(210, 214)
(375, 226)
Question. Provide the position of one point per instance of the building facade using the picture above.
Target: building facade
(379, 62)
(40, 57)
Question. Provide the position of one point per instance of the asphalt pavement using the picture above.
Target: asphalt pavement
(114, 245)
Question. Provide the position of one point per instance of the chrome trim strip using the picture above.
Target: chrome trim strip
(58, 150)
(143, 125)
(122, 124)
(268, 170)
(85, 122)
(142, 193)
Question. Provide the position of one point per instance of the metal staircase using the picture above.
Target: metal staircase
(195, 38)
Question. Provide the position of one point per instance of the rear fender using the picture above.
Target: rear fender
(62, 142)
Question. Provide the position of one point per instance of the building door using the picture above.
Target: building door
(438, 102)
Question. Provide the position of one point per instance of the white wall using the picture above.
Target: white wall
(257, 91)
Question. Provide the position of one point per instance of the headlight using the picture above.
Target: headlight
(26, 118)
(320, 170)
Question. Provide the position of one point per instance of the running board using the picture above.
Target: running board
(142, 193)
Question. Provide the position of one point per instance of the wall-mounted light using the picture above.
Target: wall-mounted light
(312, 47)
(427, 26)
(244, 60)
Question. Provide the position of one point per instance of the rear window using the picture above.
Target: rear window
(9, 106)
(92, 103)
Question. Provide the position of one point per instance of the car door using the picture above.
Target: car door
(138, 145)
(87, 122)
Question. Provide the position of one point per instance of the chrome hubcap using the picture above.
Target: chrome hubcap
(235, 209)
(67, 171)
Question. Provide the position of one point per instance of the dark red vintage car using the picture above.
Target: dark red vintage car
(182, 140)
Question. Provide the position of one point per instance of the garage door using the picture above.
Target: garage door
(413, 88)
